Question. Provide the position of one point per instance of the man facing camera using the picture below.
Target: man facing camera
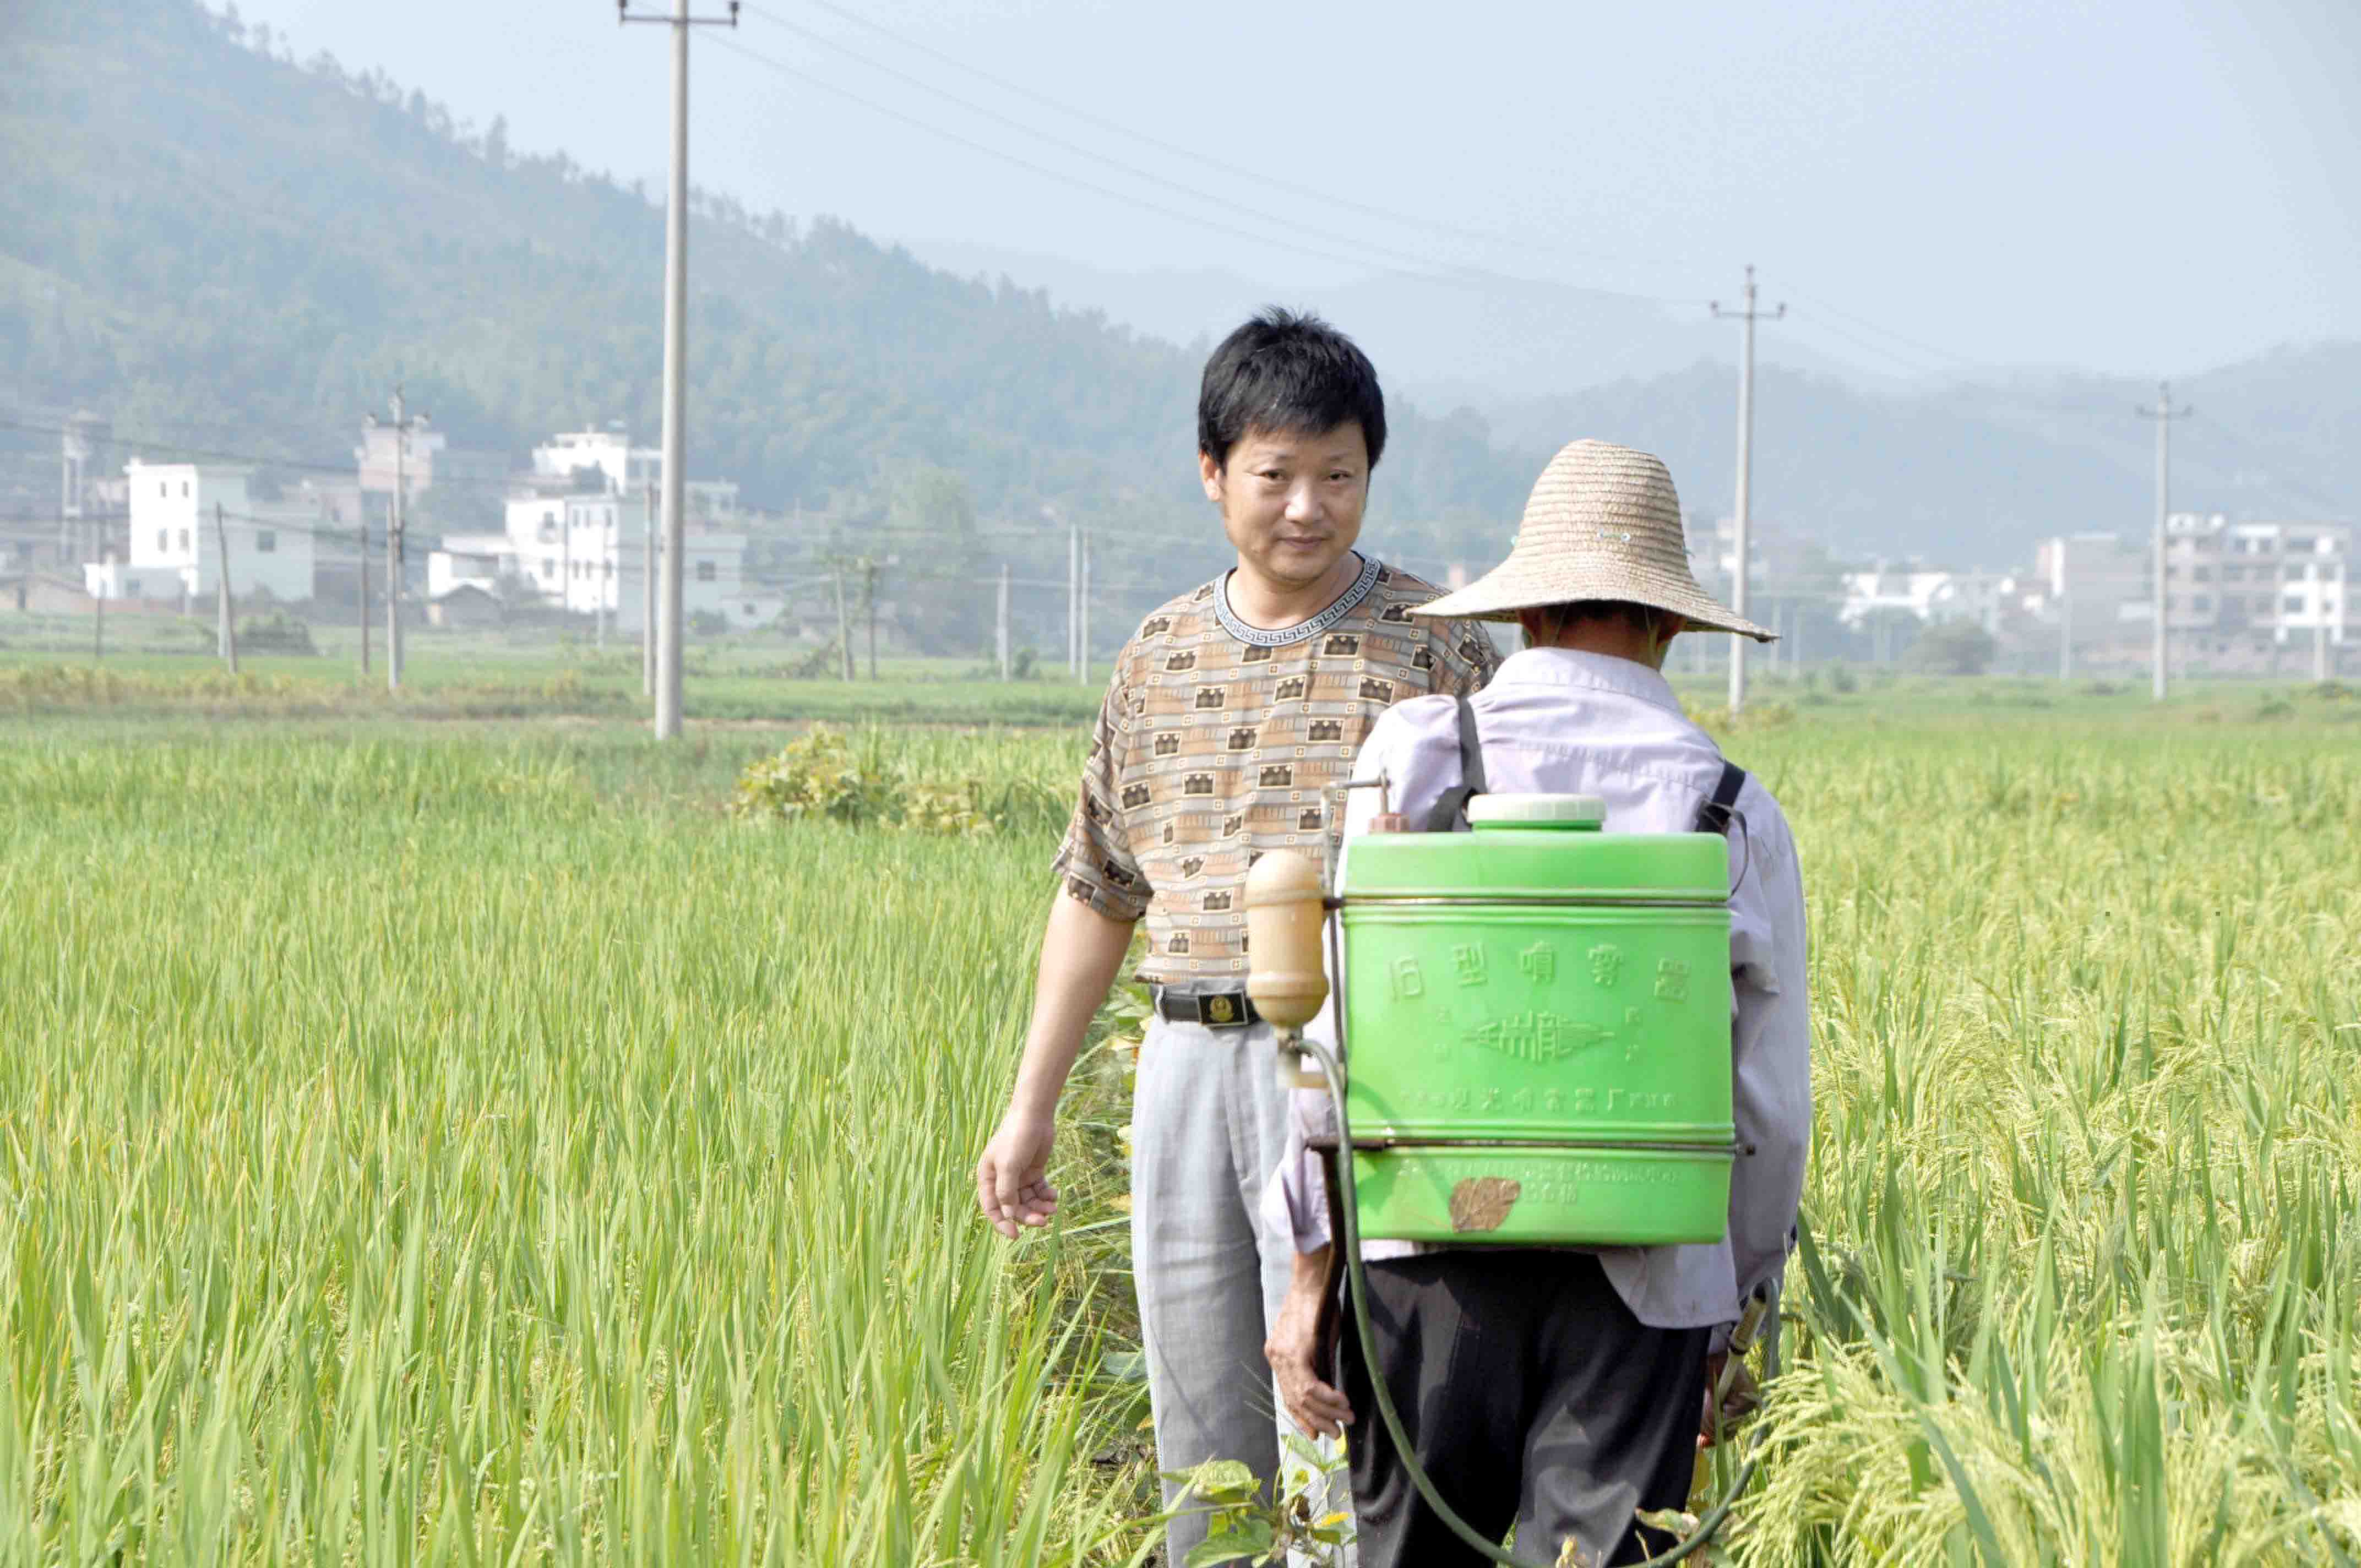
(1231, 708)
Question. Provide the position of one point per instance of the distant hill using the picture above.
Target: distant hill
(203, 241)
(1974, 473)
(216, 247)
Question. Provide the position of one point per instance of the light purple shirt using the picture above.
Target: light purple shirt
(1558, 721)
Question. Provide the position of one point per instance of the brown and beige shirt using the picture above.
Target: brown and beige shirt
(1216, 740)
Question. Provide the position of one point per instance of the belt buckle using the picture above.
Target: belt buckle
(1220, 1012)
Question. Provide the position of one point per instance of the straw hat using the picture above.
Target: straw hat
(1603, 524)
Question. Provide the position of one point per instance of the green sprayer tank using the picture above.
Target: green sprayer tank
(1537, 1024)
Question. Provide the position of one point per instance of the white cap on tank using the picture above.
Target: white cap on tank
(1536, 811)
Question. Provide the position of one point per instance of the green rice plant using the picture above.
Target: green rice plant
(414, 1151)
(465, 1144)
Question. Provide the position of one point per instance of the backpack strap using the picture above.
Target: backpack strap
(1449, 813)
(1714, 815)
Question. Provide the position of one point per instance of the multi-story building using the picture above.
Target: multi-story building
(424, 458)
(177, 537)
(625, 468)
(2257, 586)
(582, 547)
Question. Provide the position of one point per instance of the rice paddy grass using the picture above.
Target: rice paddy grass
(469, 1143)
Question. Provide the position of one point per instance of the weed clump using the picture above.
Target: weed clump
(826, 775)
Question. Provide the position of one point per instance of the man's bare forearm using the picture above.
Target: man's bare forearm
(1081, 952)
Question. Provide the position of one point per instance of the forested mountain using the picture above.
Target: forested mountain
(213, 243)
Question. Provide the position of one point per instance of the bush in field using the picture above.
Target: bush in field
(824, 774)
(816, 775)
(278, 633)
(1954, 648)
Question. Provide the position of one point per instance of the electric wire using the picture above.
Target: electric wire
(1194, 156)
(1422, 267)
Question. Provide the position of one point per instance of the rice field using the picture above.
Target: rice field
(436, 1143)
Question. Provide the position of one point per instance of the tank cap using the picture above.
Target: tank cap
(1580, 811)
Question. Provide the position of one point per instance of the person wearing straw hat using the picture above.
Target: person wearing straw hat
(1561, 1391)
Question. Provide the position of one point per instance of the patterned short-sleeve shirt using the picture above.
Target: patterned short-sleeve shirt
(1216, 740)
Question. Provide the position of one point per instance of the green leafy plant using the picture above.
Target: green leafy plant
(1246, 1527)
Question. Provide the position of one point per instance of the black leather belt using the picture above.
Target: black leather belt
(1213, 1009)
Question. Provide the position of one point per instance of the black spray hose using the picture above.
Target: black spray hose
(1349, 1203)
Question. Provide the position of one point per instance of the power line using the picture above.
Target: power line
(1462, 274)
(1194, 156)
(141, 445)
(1867, 325)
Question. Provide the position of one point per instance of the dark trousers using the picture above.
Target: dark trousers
(1532, 1397)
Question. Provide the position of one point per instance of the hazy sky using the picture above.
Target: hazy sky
(2142, 186)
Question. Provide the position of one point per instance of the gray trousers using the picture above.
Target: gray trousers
(1208, 1125)
(1532, 1395)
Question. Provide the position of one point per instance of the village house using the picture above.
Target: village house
(575, 539)
(176, 538)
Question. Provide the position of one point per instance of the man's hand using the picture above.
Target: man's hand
(1725, 1409)
(1293, 1349)
(1080, 950)
(1011, 1180)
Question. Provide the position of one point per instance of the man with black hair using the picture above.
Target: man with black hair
(1232, 708)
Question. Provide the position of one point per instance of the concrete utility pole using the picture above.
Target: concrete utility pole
(2164, 413)
(648, 591)
(676, 362)
(361, 535)
(609, 545)
(1745, 475)
(1073, 600)
(1000, 625)
(1083, 617)
(226, 626)
(844, 626)
(2319, 624)
(402, 427)
(869, 602)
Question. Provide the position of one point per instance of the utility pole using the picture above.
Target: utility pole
(224, 612)
(1073, 599)
(2065, 638)
(1082, 616)
(648, 590)
(844, 626)
(1000, 625)
(1745, 475)
(676, 362)
(401, 427)
(2164, 413)
(869, 601)
(2319, 625)
(362, 535)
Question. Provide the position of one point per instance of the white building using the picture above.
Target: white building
(176, 541)
(1981, 596)
(629, 469)
(625, 466)
(586, 552)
